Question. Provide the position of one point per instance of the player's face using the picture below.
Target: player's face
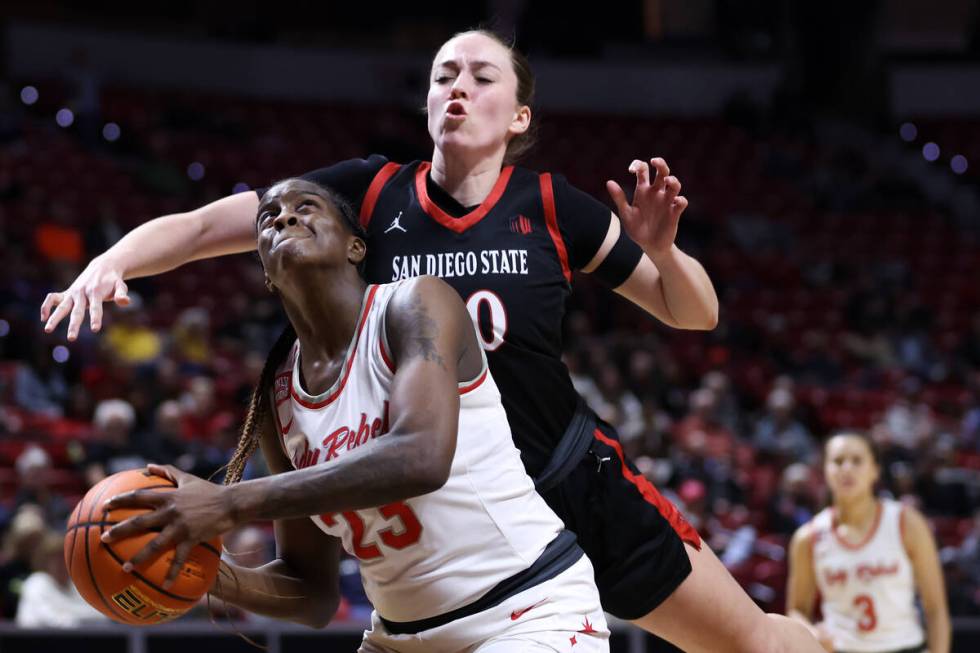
(472, 102)
(297, 226)
(849, 467)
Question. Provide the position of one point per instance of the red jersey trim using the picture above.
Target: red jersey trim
(551, 217)
(347, 366)
(669, 511)
(474, 384)
(374, 190)
(281, 437)
(461, 224)
(384, 355)
(867, 536)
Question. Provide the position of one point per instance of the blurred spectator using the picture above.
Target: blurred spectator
(203, 419)
(728, 411)
(795, 503)
(58, 239)
(48, 597)
(40, 385)
(908, 419)
(22, 538)
(617, 405)
(779, 433)
(33, 478)
(129, 338)
(113, 447)
(701, 431)
(190, 341)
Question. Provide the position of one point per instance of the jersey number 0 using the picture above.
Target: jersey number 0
(492, 329)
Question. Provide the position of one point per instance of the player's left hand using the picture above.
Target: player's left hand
(651, 219)
(195, 512)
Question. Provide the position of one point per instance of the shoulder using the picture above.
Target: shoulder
(914, 528)
(422, 289)
(802, 540)
(419, 303)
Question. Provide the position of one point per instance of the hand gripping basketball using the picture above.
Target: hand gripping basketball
(195, 512)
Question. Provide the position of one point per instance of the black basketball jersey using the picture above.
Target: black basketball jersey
(510, 259)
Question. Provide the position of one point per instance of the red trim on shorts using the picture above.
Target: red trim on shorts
(551, 217)
(347, 365)
(461, 224)
(668, 510)
(867, 537)
(374, 190)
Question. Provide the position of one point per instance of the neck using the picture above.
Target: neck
(467, 176)
(324, 313)
(856, 512)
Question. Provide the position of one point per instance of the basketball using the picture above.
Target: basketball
(136, 598)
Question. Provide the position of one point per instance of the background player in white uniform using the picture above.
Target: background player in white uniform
(385, 407)
(866, 557)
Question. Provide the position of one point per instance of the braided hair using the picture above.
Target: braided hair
(258, 405)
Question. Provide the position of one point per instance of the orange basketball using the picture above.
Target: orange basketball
(136, 598)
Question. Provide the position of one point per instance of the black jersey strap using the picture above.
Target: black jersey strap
(560, 554)
(570, 449)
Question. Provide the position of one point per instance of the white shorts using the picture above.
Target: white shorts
(562, 614)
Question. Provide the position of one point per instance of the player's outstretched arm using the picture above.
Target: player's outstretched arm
(921, 548)
(667, 283)
(226, 226)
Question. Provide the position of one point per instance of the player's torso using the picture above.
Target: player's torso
(432, 553)
(867, 588)
(506, 261)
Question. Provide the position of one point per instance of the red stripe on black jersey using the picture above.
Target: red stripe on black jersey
(551, 217)
(371, 196)
(462, 223)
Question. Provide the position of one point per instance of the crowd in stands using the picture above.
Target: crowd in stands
(848, 299)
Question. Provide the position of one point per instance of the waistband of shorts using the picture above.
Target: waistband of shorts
(912, 649)
(569, 450)
(560, 554)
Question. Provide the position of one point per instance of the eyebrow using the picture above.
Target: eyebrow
(452, 63)
(281, 196)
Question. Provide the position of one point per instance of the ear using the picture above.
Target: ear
(522, 120)
(356, 250)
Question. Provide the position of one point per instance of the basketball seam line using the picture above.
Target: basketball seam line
(146, 580)
(88, 559)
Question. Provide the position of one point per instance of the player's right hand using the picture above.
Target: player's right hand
(101, 281)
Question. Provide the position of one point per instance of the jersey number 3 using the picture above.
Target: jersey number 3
(491, 322)
(407, 535)
(868, 619)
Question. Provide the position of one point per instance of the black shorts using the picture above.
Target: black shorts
(633, 535)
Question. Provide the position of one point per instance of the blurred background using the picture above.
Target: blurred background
(830, 152)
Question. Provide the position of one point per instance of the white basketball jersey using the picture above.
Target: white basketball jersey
(867, 589)
(433, 553)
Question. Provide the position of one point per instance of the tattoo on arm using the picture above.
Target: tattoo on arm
(422, 332)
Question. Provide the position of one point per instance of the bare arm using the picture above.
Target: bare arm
(666, 283)
(432, 341)
(801, 585)
(921, 548)
(226, 226)
(427, 327)
(302, 583)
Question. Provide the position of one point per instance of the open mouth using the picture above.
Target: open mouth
(456, 110)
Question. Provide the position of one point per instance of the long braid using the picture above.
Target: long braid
(249, 439)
